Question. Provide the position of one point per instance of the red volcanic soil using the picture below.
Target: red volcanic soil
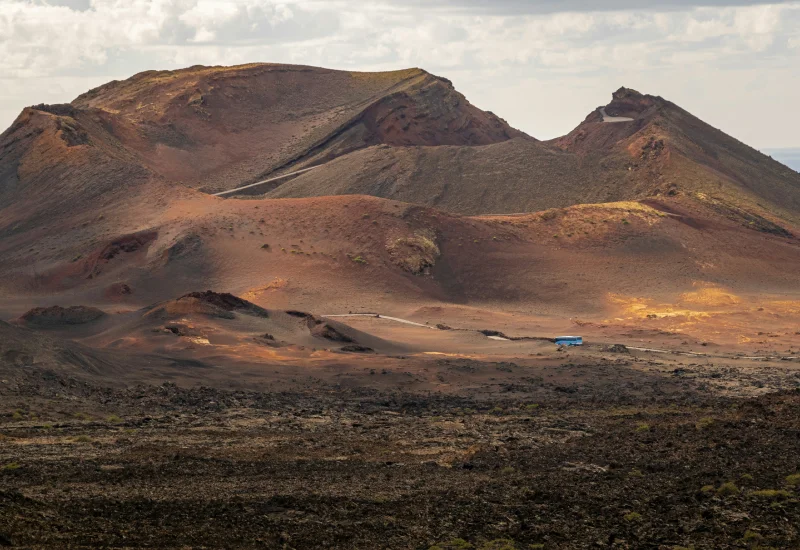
(118, 291)
(708, 219)
(333, 255)
(212, 127)
(668, 151)
(663, 151)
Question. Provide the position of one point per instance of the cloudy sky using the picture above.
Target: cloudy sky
(540, 64)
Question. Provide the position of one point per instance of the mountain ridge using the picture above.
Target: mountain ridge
(291, 115)
(88, 205)
(219, 128)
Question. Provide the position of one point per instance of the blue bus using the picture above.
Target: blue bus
(569, 340)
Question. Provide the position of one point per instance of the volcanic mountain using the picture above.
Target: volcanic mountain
(216, 128)
(643, 147)
(106, 201)
(669, 151)
(405, 135)
(211, 127)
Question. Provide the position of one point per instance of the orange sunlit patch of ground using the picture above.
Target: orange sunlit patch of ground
(710, 295)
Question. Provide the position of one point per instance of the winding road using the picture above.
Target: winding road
(648, 350)
(276, 178)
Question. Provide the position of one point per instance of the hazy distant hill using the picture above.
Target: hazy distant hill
(788, 156)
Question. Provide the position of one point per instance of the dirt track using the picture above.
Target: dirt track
(276, 178)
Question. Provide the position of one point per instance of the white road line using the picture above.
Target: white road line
(693, 354)
(649, 349)
(230, 191)
(397, 319)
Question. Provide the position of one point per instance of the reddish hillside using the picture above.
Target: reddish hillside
(650, 148)
(668, 151)
(91, 215)
(57, 160)
(88, 175)
(335, 254)
(220, 127)
(405, 135)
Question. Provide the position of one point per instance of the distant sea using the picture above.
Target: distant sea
(790, 157)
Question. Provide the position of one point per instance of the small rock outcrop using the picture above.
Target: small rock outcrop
(57, 315)
(227, 302)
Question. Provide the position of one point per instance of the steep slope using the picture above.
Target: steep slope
(404, 135)
(518, 175)
(667, 151)
(219, 127)
(121, 148)
(56, 158)
(637, 146)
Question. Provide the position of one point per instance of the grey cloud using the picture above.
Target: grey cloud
(254, 27)
(555, 6)
(78, 5)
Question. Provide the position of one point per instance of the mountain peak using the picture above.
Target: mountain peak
(624, 92)
(627, 102)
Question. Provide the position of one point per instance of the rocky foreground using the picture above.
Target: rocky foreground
(164, 467)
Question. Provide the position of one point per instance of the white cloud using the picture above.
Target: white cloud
(208, 12)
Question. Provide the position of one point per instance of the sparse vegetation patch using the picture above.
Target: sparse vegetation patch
(417, 253)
